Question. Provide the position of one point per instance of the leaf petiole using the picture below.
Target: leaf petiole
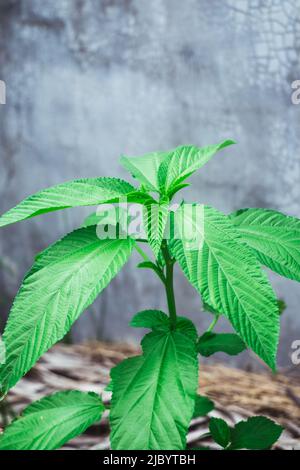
(213, 323)
(142, 253)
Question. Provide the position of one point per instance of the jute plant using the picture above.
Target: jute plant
(154, 395)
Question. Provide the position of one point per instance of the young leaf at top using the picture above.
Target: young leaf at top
(257, 433)
(182, 162)
(142, 414)
(220, 431)
(203, 406)
(228, 276)
(274, 237)
(155, 221)
(166, 171)
(210, 343)
(145, 168)
(64, 280)
(52, 421)
(82, 192)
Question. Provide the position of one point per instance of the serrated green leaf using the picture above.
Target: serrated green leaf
(52, 421)
(142, 414)
(155, 221)
(220, 431)
(210, 343)
(64, 280)
(82, 192)
(182, 162)
(257, 433)
(229, 278)
(203, 406)
(274, 237)
(153, 319)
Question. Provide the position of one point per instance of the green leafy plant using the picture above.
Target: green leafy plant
(257, 433)
(154, 395)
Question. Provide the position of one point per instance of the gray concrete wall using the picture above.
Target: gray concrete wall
(89, 80)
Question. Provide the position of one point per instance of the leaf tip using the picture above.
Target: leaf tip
(227, 142)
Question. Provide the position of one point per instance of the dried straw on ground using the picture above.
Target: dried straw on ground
(237, 394)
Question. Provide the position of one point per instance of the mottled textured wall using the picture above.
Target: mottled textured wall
(89, 80)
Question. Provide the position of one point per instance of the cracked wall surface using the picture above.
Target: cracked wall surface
(90, 80)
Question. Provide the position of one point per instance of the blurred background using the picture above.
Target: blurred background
(90, 80)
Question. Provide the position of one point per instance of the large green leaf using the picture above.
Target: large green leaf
(64, 280)
(228, 276)
(82, 192)
(210, 343)
(274, 237)
(155, 221)
(257, 433)
(52, 421)
(182, 162)
(154, 394)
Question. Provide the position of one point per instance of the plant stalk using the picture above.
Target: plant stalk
(169, 287)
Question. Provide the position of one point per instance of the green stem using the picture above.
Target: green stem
(169, 287)
(213, 323)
